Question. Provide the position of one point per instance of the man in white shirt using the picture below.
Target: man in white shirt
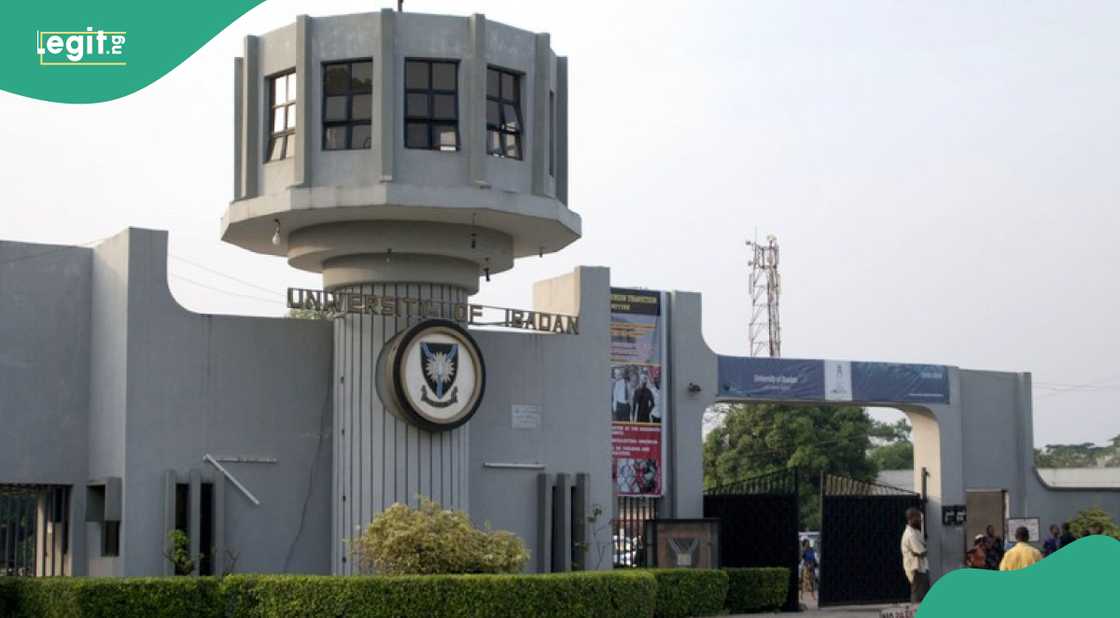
(915, 563)
(620, 397)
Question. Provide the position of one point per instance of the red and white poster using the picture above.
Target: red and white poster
(636, 407)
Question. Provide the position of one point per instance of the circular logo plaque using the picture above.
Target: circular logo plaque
(432, 375)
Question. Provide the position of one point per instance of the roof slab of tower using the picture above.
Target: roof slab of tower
(376, 193)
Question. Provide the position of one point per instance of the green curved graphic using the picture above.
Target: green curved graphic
(1078, 580)
(69, 51)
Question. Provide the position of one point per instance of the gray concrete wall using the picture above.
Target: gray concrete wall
(234, 386)
(568, 376)
(45, 334)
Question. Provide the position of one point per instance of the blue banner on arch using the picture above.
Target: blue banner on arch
(784, 379)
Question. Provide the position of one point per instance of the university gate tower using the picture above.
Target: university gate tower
(405, 157)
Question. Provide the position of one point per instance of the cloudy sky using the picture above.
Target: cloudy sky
(943, 178)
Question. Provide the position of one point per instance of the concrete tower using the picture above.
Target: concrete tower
(404, 156)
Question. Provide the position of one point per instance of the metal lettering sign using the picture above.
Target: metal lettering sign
(397, 306)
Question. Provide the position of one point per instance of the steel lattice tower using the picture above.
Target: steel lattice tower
(765, 286)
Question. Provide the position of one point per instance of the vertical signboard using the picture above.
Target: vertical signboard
(636, 406)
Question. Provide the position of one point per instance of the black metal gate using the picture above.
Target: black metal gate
(24, 549)
(861, 528)
(758, 523)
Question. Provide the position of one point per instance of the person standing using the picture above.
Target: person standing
(915, 562)
(1022, 555)
(643, 402)
(977, 557)
(994, 545)
(808, 569)
(1054, 542)
(1067, 535)
(620, 397)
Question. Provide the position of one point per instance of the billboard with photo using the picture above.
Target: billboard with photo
(636, 408)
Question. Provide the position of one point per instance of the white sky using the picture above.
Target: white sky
(942, 176)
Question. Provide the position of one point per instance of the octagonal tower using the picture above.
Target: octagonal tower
(402, 155)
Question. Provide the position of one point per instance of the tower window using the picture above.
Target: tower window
(431, 104)
(282, 116)
(347, 104)
(503, 113)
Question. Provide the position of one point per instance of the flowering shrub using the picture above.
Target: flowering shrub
(431, 540)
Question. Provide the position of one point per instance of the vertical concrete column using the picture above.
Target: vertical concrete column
(544, 522)
(474, 101)
(385, 105)
(195, 523)
(218, 560)
(538, 135)
(250, 120)
(562, 129)
(562, 525)
(169, 481)
(379, 459)
(238, 126)
(302, 162)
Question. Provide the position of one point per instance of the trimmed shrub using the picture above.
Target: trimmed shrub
(431, 540)
(757, 589)
(590, 595)
(117, 597)
(689, 592)
(9, 595)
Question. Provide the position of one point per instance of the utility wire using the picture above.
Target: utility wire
(222, 274)
(271, 301)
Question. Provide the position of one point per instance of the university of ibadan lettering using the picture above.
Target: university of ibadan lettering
(393, 306)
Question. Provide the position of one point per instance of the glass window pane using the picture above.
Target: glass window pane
(360, 136)
(290, 148)
(336, 77)
(492, 83)
(493, 115)
(493, 143)
(416, 136)
(417, 106)
(292, 87)
(508, 83)
(513, 146)
(362, 106)
(278, 120)
(275, 148)
(279, 90)
(416, 75)
(444, 106)
(512, 121)
(334, 138)
(446, 137)
(443, 76)
(291, 114)
(361, 76)
(335, 108)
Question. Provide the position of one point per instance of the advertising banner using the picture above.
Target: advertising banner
(636, 408)
(785, 379)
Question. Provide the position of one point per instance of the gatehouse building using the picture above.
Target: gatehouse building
(407, 157)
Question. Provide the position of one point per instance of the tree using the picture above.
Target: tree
(755, 439)
(1084, 455)
(896, 451)
(1095, 518)
(307, 314)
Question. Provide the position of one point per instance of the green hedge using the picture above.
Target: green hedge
(82, 597)
(757, 589)
(682, 593)
(590, 595)
(9, 595)
(609, 594)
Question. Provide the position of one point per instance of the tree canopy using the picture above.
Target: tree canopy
(755, 439)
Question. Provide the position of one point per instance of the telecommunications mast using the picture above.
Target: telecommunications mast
(765, 286)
